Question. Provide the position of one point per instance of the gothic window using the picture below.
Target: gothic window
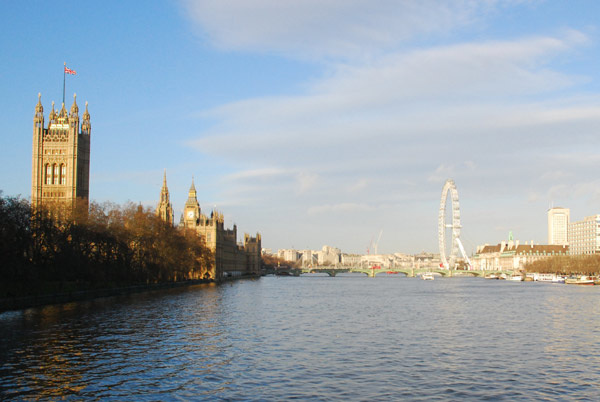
(56, 174)
(48, 174)
(63, 174)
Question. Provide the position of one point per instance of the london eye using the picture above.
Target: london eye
(449, 261)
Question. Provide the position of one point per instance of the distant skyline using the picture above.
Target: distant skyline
(321, 122)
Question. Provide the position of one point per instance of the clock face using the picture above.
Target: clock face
(190, 214)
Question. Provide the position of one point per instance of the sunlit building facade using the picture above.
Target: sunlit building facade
(511, 255)
(229, 257)
(60, 173)
(558, 224)
(584, 236)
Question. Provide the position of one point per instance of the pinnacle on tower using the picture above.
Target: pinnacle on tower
(52, 113)
(63, 111)
(164, 209)
(74, 107)
(39, 108)
(164, 191)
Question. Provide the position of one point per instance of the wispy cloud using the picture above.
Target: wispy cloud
(338, 208)
(380, 134)
(329, 28)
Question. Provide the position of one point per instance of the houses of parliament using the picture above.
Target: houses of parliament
(229, 257)
(61, 180)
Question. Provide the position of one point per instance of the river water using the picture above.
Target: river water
(311, 338)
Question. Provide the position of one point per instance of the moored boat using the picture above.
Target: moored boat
(548, 278)
(427, 276)
(582, 280)
(517, 278)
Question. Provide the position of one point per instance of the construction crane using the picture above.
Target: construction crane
(377, 244)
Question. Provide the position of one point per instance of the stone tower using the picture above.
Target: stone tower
(60, 174)
(164, 210)
(191, 210)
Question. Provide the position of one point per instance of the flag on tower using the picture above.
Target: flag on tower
(69, 71)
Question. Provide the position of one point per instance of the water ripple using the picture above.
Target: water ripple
(311, 339)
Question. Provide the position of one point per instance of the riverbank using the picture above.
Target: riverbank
(23, 302)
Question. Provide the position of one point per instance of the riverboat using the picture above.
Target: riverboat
(492, 276)
(516, 278)
(549, 278)
(582, 280)
(427, 276)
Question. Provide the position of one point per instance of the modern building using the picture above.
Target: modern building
(229, 257)
(511, 255)
(329, 256)
(288, 254)
(308, 258)
(584, 236)
(60, 172)
(164, 210)
(558, 223)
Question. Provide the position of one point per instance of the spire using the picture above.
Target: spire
(85, 125)
(86, 114)
(52, 116)
(192, 203)
(39, 108)
(164, 191)
(63, 111)
(192, 193)
(74, 107)
(164, 210)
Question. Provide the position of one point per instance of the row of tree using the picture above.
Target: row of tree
(105, 245)
(567, 265)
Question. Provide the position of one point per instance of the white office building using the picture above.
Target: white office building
(584, 236)
(558, 224)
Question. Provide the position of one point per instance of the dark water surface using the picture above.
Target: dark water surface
(315, 338)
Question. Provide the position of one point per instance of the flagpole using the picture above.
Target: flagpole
(64, 73)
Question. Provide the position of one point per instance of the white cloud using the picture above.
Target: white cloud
(305, 181)
(328, 28)
(256, 174)
(374, 139)
(345, 207)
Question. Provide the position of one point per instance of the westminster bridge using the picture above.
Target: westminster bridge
(372, 272)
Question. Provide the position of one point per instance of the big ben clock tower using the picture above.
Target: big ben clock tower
(191, 210)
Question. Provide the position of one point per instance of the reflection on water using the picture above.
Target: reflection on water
(382, 338)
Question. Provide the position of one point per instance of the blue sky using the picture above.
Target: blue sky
(321, 121)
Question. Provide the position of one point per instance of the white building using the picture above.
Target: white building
(558, 223)
(308, 258)
(512, 255)
(290, 255)
(329, 256)
(351, 260)
(584, 236)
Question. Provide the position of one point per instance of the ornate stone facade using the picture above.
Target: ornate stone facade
(229, 257)
(512, 255)
(60, 173)
(164, 210)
